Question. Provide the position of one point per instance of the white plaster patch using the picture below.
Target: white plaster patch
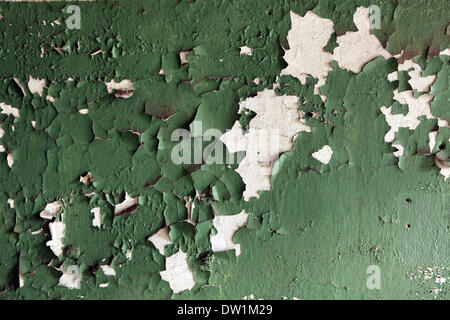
(416, 107)
(400, 150)
(125, 204)
(417, 82)
(432, 140)
(71, 277)
(10, 160)
(177, 273)
(108, 270)
(323, 155)
(183, 57)
(83, 111)
(270, 133)
(57, 231)
(355, 49)
(11, 203)
(125, 88)
(307, 39)
(51, 210)
(7, 109)
(36, 85)
(226, 226)
(86, 179)
(161, 239)
(246, 50)
(97, 220)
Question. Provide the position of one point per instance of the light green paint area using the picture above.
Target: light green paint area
(312, 236)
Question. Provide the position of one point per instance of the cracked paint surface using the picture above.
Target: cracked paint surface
(93, 207)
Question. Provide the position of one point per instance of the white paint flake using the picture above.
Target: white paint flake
(125, 204)
(51, 210)
(271, 132)
(246, 50)
(226, 226)
(307, 39)
(355, 49)
(8, 110)
(108, 270)
(417, 82)
(161, 239)
(10, 160)
(71, 277)
(323, 155)
(125, 86)
(97, 220)
(36, 85)
(11, 203)
(177, 273)
(57, 230)
(417, 107)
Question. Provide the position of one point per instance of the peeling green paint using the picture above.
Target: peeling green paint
(313, 235)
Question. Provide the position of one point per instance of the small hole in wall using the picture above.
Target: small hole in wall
(408, 226)
(408, 200)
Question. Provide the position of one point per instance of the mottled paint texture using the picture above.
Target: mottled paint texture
(312, 235)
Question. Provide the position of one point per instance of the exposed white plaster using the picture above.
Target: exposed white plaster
(83, 111)
(125, 85)
(161, 239)
(177, 272)
(10, 159)
(125, 204)
(108, 270)
(400, 150)
(71, 277)
(51, 210)
(11, 203)
(416, 107)
(86, 179)
(129, 254)
(183, 57)
(36, 85)
(307, 39)
(417, 82)
(7, 109)
(103, 285)
(432, 140)
(270, 133)
(226, 226)
(97, 220)
(355, 49)
(246, 50)
(323, 155)
(57, 231)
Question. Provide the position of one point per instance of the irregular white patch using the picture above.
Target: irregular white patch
(11, 203)
(416, 107)
(57, 230)
(226, 226)
(125, 204)
(183, 57)
(21, 280)
(177, 273)
(36, 85)
(7, 109)
(10, 160)
(393, 76)
(86, 178)
(444, 164)
(50, 98)
(446, 52)
(355, 49)
(161, 239)
(417, 82)
(103, 285)
(246, 50)
(108, 270)
(323, 155)
(71, 277)
(51, 210)
(400, 150)
(271, 132)
(129, 254)
(432, 140)
(125, 86)
(83, 111)
(33, 123)
(257, 81)
(307, 39)
(97, 220)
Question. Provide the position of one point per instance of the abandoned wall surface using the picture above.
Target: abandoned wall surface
(207, 149)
